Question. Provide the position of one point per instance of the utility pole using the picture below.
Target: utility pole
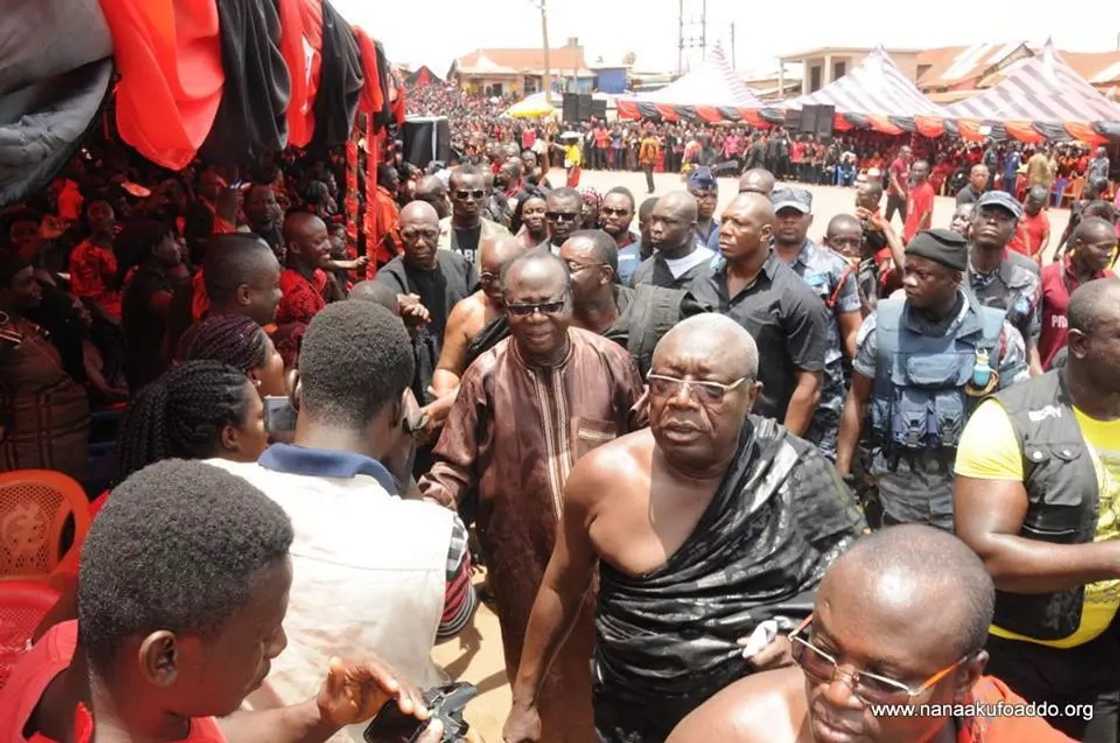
(680, 39)
(733, 65)
(544, 38)
(692, 32)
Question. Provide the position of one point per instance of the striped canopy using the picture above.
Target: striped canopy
(1042, 96)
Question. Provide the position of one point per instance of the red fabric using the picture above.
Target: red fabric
(573, 177)
(1036, 229)
(200, 300)
(70, 201)
(840, 123)
(989, 690)
(929, 126)
(291, 47)
(628, 110)
(709, 114)
(883, 124)
(92, 269)
(302, 299)
(388, 225)
(1058, 283)
(372, 99)
(970, 129)
(1023, 131)
(30, 678)
(1086, 133)
(169, 57)
(919, 204)
(667, 112)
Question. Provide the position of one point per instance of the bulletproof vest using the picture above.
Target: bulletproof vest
(918, 397)
(1009, 291)
(1063, 498)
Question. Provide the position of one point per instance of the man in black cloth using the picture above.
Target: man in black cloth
(440, 278)
(679, 256)
(265, 217)
(704, 525)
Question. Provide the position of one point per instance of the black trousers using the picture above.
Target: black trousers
(649, 178)
(895, 203)
(1086, 674)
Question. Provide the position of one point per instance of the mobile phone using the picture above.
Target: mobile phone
(279, 415)
(393, 726)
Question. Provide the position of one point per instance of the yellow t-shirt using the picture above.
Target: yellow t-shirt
(573, 156)
(988, 450)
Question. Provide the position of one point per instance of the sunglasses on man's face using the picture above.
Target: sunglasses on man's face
(561, 216)
(609, 212)
(545, 308)
(477, 195)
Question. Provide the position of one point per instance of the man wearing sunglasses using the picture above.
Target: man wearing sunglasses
(466, 228)
(616, 216)
(700, 527)
(900, 619)
(526, 412)
(678, 257)
(563, 212)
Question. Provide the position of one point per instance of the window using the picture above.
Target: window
(814, 78)
(839, 69)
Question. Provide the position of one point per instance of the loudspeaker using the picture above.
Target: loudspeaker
(822, 121)
(571, 108)
(584, 107)
(793, 120)
(599, 109)
(427, 138)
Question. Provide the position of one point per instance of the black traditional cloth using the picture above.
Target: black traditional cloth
(667, 640)
(252, 118)
(340, 82)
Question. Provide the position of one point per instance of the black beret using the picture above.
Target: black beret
(941, 246)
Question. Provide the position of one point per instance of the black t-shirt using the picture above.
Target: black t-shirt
(786, 319)
(467, 242)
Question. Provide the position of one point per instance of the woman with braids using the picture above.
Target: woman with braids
(150, 269)
(239, 342)
(200, 410)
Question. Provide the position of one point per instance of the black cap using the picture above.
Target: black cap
(1002, 199)
(941, 246)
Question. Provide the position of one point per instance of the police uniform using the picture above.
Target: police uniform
(927, 376)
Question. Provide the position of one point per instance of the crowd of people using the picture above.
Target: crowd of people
(722, 476)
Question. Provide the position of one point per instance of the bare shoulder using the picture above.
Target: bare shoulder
(614, 465)
(465, 310)
(761, 708)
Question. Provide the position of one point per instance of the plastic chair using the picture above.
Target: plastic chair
(1073, 191)
(35, 506)
(23, 604)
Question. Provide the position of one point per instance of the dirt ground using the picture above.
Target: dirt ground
(476, 655)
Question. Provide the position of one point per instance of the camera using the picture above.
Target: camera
(445, 703)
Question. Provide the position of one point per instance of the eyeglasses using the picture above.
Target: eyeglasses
(417, 234)
(562, 216)
(871, 688)
(464, 195)
(611, 212)
(574, 267)
(545, 308)
(705, 391)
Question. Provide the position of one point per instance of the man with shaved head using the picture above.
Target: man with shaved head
(757, 180)
(678, 256)
(304, 284)
(439, 278)
(900, 618)
(701, 527)
(1091, 256)
(526, 411)
(754, 287)
(978, 181)
(431, 189)
(563, 211)
(1036, 496)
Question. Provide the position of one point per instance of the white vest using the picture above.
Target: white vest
(369, 576)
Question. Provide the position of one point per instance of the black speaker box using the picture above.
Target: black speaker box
(427, 139)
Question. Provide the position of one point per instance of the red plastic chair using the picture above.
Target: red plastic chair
(23, 604)
(35, 506)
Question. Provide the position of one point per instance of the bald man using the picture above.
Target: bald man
(527, 410)
(907, 607)
(757, 180)
(754, 287)
(440, 278)
(701, 527)
(678, 257)
(433, 190)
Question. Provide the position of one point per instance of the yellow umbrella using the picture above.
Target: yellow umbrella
(533, 107)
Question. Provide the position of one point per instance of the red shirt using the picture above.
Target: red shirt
(602, 138)
(203, 729)
(1036, 228)
(920, 204)
(92, 267)
(302, 299)
(989, 690)
(1058, 282)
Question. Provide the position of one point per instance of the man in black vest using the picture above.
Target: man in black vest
(1036, 495)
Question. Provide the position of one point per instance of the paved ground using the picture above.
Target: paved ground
(476, 655)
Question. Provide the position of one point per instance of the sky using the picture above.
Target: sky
(435, 32)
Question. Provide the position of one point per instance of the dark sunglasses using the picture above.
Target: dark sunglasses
(614, 212)
(464, 195)
(545, 308)
(561, 216)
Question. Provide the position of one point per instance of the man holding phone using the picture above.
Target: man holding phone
(396, 573)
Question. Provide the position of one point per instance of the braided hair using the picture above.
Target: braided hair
(181, 415)
(235, 340)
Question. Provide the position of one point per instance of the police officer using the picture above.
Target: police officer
(1036, 496)
(1003, 278)
(834, 281)
(922, 362)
